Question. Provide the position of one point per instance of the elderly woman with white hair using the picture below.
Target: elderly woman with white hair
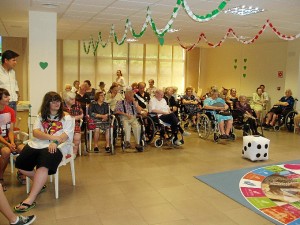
(283, 106)
(75, 110)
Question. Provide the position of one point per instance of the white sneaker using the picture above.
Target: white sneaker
(178, 143)
(185, 133)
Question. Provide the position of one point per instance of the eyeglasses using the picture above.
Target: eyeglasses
(55, 101)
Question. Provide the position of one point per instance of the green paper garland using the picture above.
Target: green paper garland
(149, 20)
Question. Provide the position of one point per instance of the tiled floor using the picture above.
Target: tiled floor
(156, 187)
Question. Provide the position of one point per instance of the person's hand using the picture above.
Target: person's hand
(105, 117)
(52, 147)
(174, 109)
(12, 146)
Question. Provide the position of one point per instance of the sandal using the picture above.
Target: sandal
(21, 178)
(3, 185)
(25, 207)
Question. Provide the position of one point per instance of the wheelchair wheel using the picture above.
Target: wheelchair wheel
(149, 129)
(216, 137)
(203, 126)
(158, 143)
(277, 128)
(289, 120)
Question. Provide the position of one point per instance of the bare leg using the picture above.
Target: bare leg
(269, 117)
(228, 126)
(39, 180)
(96, 137)
(5, 207)
(5, 154)
(274, 117)
(107, 137)
(221, 127)
(76, 141)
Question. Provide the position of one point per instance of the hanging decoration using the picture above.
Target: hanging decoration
(250, 41)
(160, 33)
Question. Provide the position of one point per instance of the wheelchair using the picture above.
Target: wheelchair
(240, 124)
(91, 125)
(207, 124)
(285, 119)
(154, 126)
(185, 114)
(120, 132)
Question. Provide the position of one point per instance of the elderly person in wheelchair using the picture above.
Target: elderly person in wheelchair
(249, 116)
(128, 109)
(159, 106)
(283, 106)
(220, 111)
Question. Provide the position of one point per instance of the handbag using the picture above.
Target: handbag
(91, 125)
(225, 113)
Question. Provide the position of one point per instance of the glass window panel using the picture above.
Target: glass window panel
(178, 77)
(119, 64)
(178, 53)
(105, 72)
(70, 61)
(136, 51)
(87, 67)
(104, 52)
(135, 71)
(151, 71)
(165, 52)
(120, 50)
(151, 51)
(165, 75)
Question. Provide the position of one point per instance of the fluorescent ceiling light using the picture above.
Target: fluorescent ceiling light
(131, 40)
(244, 10)
(171, 30)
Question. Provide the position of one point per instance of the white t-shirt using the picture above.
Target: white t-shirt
(9, 82)
(56, 128)
(162, 105)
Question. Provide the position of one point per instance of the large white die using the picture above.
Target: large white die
(255, 148)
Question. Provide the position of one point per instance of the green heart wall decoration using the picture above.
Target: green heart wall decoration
(43, 65)
(235, 60)
(245, 67)
(235, 66)
(244, 75)
(245, 60)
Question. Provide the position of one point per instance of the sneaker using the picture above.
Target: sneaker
(25, 220)
(223, 136)
(178, 143)
(127, 144)
(107, 149)
(96, 149)
(185, 133)
(139, 148)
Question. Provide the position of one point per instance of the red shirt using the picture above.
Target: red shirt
(7, 116)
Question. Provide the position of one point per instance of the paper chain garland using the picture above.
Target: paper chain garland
(149, 20)
(250, 41)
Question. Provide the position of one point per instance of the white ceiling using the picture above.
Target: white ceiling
(79, 19)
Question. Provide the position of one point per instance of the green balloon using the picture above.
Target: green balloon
(222, 5)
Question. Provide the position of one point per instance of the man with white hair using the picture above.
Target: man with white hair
(128, 109)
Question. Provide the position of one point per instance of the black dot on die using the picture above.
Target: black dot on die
(257, 155)
(243, 152)
(245, 148)
(266, 154)
(266, 146)
(258, 146)
(249, 144)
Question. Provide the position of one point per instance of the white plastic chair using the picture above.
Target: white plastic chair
(21, 136)
(67, 158)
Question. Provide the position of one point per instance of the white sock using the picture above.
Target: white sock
(16, 220)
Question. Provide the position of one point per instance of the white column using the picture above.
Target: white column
(42, 56)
